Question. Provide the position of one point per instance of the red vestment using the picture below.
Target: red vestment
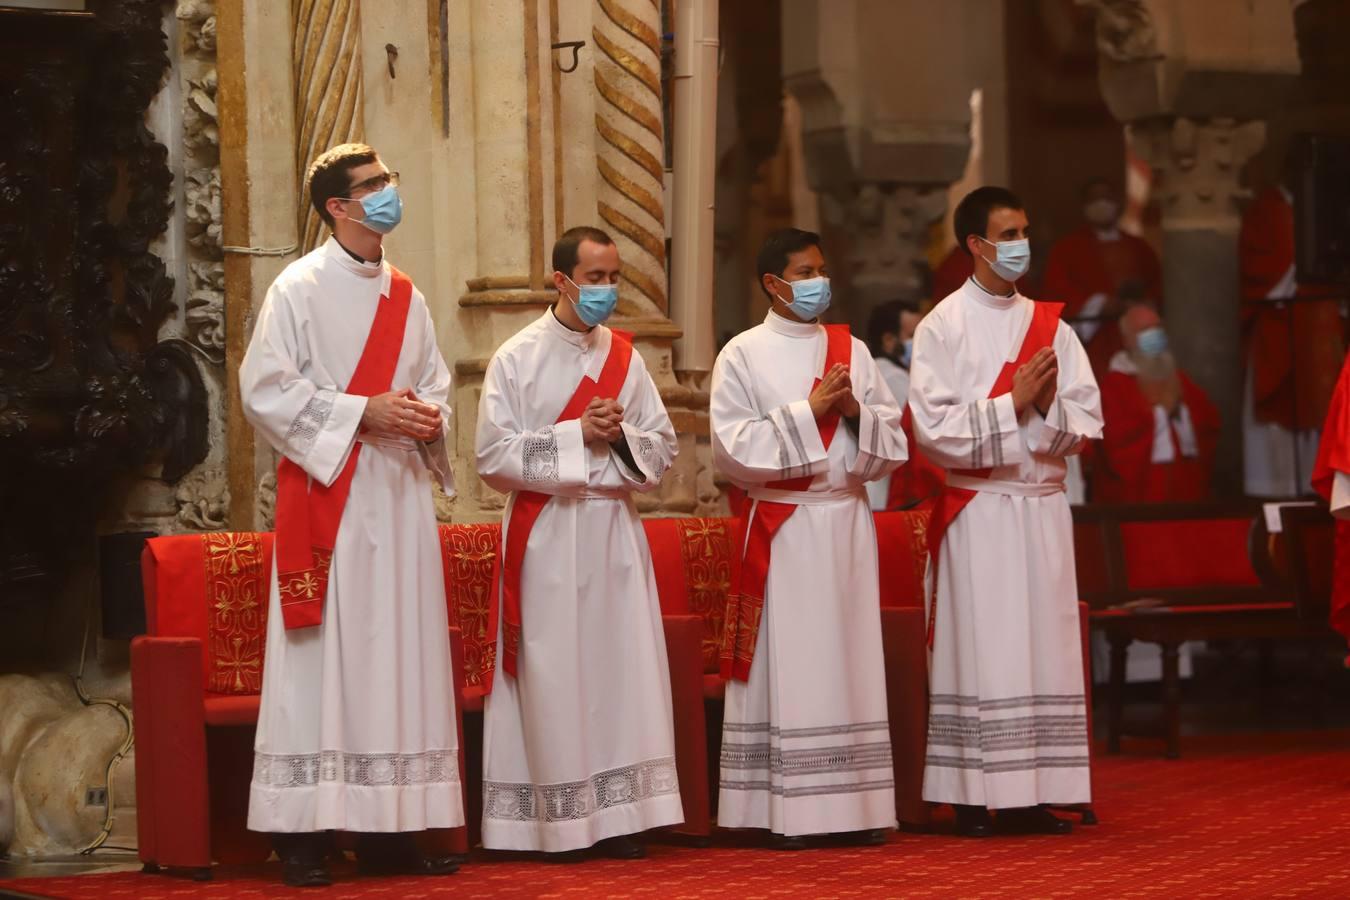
(1123, 470)
(1333, 456)
(1291, 383)
(1081, 265)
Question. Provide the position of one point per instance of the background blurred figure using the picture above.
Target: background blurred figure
(1089, 266)
(1290, 377)
(1161, 430)
(890, 337)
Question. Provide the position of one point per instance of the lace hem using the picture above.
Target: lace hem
(290, 770)
(306, 427)
(571, 801)
(539, 457)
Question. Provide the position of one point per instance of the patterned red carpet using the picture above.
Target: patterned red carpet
(1249, 817)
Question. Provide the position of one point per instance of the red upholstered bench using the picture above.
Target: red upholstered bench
(1167, 574)
(196, 676)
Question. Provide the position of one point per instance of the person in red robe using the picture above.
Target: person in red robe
(1331, 479)
(1088, 267)
(1161, 430)
(1290, 376)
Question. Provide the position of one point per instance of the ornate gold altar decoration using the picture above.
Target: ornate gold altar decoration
(238, 575)
(628, 121)
(326, 59)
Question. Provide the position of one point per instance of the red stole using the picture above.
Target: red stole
(529, 504)
(308, 513)
(1333, 455)
(745, 601)
(1040, 334)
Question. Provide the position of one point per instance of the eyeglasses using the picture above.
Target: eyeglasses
(375, 183)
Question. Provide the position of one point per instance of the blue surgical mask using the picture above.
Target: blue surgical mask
(906, 352)
(810, 297)
(1152, 341)
(1012, 260)
(595, 302)
(384, 210)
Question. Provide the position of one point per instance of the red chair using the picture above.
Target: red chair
(469, 553)
(196, 676)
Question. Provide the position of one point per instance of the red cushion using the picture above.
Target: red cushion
(215, 588)
(469, 560)
(707, 545)
(1187, 553)
(663, 537)
(231, 709)
(902, 552)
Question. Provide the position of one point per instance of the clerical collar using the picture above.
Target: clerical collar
(1107, 234)
(351, 262)
(576, 338)
(788, 328)
(976, 281)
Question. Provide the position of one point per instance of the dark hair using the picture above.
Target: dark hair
(1098, 181)
(777, 247)
(565, 249)
(329, 175)
(972, 213)
(885, 319)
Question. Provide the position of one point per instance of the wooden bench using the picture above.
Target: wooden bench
(1168, 574)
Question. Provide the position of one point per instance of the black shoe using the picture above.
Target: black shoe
(871, 837)
(973, 822)
(622, 847)
(304, 859)
(1032, 820)
(788, 842)
(398, 854)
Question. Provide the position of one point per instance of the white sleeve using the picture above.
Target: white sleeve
(953, 432)
(313, 427)
(434, 386)
(512, 458)
(754, 447)
(649, 436)
(1075, 415)
(882, 447)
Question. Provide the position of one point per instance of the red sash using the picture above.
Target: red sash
(1041, 334)
(529, 504)
(919, 481)
(745, 601)
(308, 513)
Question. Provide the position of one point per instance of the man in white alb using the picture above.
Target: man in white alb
(578, 738)
(356, 731)
(1001, 393)
(802, 420)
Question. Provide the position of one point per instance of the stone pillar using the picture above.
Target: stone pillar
(259, 221)
(880, 152)
(1196, 99)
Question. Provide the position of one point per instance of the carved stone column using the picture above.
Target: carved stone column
(880, 152)
(1196, 99)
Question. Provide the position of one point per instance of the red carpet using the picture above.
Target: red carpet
(1246, 817)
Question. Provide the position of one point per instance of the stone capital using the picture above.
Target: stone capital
(1200, 161)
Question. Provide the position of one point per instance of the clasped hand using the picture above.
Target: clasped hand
(602, 421)
(400, 413)
(835, 391)
(1035, 382)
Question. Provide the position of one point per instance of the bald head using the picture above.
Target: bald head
(1136, 318)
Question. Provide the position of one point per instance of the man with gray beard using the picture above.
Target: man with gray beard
(1161, 430)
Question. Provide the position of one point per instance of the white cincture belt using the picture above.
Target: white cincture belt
(388, 441)
(806, 498)
(1011, 488)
